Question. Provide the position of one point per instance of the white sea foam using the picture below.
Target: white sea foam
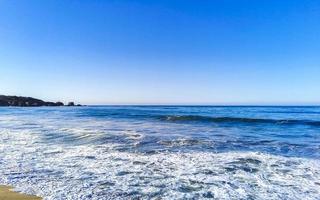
(62, 171)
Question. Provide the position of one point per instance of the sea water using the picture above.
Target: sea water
(162, 152)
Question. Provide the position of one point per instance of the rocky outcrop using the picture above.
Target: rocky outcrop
(25, 102)
(70, 104)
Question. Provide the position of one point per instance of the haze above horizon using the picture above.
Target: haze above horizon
(228, 52)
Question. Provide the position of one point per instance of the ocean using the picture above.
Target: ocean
(162, 152)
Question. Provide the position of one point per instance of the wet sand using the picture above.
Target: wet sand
(6, 193)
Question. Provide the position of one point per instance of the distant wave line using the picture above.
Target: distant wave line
(198, 118)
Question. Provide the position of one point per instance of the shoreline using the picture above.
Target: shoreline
(6, 193)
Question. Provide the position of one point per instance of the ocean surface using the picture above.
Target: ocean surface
(162, 152)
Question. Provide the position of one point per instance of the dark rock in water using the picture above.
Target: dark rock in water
(70, 104)
(25, 102)
(59, 103)
(49, 104)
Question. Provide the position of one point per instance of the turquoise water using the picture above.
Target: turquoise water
(162, 152)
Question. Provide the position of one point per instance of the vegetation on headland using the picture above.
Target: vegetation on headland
(28, 102)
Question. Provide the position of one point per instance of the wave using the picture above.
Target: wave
(94, 172)
(198, 118)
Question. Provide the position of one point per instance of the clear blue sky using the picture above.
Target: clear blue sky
(164, 51)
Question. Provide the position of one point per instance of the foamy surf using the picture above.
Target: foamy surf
(100, 172)
(69, 154)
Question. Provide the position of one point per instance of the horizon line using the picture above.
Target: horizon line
(213, 105)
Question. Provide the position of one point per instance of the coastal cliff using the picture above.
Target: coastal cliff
(27, 102)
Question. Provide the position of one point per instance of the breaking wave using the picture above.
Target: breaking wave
(137, 153)
(100, 172)
(197, 118)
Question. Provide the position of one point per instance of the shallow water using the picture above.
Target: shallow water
(162, 152)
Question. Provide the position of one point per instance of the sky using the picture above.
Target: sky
(216, 52)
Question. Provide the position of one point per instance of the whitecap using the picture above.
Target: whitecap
(57, 171)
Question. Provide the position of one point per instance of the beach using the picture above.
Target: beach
(6, 193)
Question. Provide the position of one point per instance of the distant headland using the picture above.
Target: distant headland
(29, 102)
